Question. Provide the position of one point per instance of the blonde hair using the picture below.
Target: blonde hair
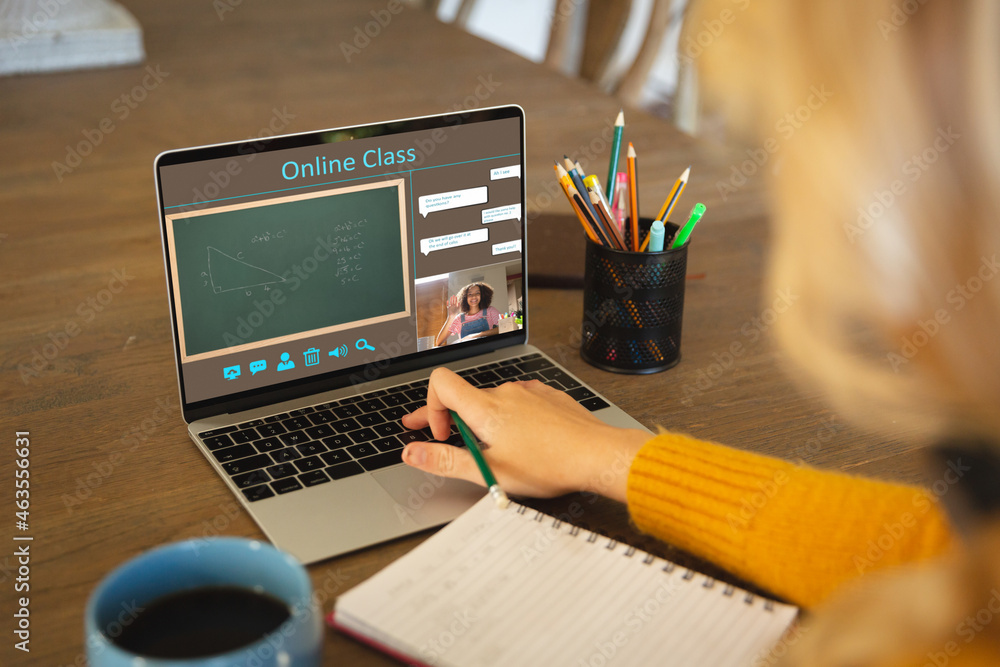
(886, 206)
(886, 200)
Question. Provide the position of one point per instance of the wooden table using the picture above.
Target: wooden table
(87, 365)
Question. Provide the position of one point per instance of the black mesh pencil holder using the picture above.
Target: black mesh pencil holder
(633, 304)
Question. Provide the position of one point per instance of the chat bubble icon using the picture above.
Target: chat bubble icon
(427, 246)
(258, 366)
(506, 247)
(509, 212)
(455, 199)
(505, 172)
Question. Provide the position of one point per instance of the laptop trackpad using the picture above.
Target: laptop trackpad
(428, 499)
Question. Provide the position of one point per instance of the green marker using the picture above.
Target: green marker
(499, 497)
(685, 232)
(616, 147)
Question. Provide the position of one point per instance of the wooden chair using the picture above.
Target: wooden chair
(590, 55)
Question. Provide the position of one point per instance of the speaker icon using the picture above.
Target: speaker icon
(339, 352)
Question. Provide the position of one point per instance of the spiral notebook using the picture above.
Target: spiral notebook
(518, 587)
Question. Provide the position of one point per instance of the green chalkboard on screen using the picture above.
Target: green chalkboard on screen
(267, 271)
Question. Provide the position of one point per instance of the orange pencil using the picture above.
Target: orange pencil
(570, 190)
(633, 198)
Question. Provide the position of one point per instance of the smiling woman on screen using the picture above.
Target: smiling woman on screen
(470, 314)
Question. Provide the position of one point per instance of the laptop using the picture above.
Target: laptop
(311, 279)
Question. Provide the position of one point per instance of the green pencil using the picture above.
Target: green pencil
(685, 232)
(616, 147)
(499, 497)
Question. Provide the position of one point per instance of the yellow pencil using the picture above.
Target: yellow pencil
(674, 195)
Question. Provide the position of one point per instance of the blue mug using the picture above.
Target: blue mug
(226, 562)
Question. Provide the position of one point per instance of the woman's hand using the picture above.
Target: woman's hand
(538, 440)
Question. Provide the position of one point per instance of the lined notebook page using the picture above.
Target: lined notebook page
(517, 587)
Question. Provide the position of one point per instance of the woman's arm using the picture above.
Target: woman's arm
(796, 531)
(452, 307)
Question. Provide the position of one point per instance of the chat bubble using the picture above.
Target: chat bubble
(454, 199)
(258, 366)
(508, 246)
(427, 246)
(509, 212)
(505, 172)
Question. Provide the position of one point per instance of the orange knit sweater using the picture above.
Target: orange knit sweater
(793, 530)
(796, 531)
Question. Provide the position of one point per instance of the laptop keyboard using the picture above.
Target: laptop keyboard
(330, 441)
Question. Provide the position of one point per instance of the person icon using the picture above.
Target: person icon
(286, 362)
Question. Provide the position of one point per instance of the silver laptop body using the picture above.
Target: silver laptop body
(308, 277)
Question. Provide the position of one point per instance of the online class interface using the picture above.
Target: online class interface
(291, 263)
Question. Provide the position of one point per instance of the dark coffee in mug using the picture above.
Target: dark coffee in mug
(201, 622)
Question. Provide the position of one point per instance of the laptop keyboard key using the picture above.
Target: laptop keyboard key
(344, 470)
(367, 449)
(296, 423)
(313, 478)
(321, 431)
(251, 478)
(273, 428)
(311, 448)
(268, 444)
(252, 423)
(532, 363)
(345, 411)
(382, 460)
(406, 437)
(388, 444)
(247, 464)
(345, 425)
(217, 441)
(580, 394)
(370, 419)
(389, 428)
(395, 412)
(507, 372)
(322, 417)
(397, 398)
(336, 456)
(337, 441)
(286, 485)
(595, 403)
(362, 435)
(244, 436)
(216, 431)
(486, 376)
(283, 455)
(309, 463)
(282, 470)
(294, 438)
(233, 453)
(256, 493)
(372, 405)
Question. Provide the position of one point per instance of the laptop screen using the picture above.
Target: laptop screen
(340, 253)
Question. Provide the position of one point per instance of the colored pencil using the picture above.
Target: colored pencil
(675, 194)
(498, 495)
(576, 201)
(604, 217)
(616, 148)
(633, 197)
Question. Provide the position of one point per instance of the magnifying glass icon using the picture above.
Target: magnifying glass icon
(362, 344)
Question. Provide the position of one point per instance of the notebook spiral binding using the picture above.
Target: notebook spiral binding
(647, 558)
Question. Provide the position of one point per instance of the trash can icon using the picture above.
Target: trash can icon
(312, 356)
